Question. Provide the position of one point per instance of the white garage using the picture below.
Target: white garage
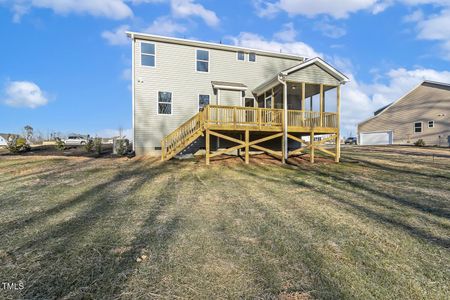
(376, 138)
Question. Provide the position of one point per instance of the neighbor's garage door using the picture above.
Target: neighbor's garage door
(376, 138)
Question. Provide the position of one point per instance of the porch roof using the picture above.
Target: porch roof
(269, 84)
(223, 85)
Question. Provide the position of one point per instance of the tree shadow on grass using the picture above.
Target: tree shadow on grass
(401, 170)
(280, 259)
(17, 224)
(354, 208)
(63, 263)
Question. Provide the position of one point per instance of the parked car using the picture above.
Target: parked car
(76, 140)
(351, 141)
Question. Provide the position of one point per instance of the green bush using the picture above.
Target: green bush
(59, 144)
(420, 143)
(121, 146)
(17, 144)
(98, 145)
(89, 145)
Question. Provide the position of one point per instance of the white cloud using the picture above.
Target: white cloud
(24, 94)
(117, 36)
(165, 26)
(329, 30)
(113, 9)
(336, 9)
(188, 8)
(287, 34)
(126, 74)
(252, 40)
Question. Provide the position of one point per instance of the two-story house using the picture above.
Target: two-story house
(227, 98)
(423, 113)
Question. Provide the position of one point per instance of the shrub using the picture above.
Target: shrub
(89, 145)
(98, 145)
(420, 143)
(59, 144)
(121, 146)
(17, 144)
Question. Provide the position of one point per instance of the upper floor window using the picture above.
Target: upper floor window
(203, 100)
(148, 54)
(241, 56)
(430, 124)
(417, 127)
(252, 57)
(164, 103)
(202, 61)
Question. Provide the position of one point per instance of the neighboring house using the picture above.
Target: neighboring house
(423, 113)
(4, 138)
(190, 94)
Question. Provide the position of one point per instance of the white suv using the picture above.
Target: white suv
(76, 140)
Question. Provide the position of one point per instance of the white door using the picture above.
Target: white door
(376, 138)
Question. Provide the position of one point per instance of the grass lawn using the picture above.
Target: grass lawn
(375, 226)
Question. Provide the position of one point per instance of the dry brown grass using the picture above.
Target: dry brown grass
(375, 226)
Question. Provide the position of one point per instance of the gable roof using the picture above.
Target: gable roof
(321, 63)
(428, 83)
(317, 61)
(209, 45)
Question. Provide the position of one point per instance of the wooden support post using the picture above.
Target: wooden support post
(321, 105)
(338, 135)
(303, 104)
(247, 146)
(208, 146)
(310, 103)
(311, 147)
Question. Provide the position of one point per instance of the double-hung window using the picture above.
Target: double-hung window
(241, 55)
(252, 57)
(202, 61)
(417, 127)
(164, 103)
(430, 124)
(148, 54)
(203, 100)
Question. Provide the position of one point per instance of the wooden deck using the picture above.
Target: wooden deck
(216, 120)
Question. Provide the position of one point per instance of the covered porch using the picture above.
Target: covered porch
(295, 112)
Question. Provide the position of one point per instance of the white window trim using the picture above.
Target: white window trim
(265, 101)
(237, 56)
(157, 103)
(198, 100)
(208, 61)
(248, 57)
(253, 98)
(432, 121)
(154, 55)
(421, 127)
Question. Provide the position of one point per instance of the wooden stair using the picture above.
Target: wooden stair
(183, 136)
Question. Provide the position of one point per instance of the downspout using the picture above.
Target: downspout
(132, 85)
(282, 79)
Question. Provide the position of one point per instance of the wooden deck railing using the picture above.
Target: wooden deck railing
(234, 117)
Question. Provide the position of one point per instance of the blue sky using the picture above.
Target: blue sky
(65, 64)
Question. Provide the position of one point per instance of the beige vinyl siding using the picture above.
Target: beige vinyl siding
(230, 98)
(426, 103)
(175, 71)
(313, 74)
